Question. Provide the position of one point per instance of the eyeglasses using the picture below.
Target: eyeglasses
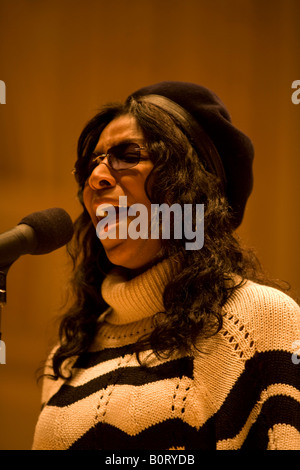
(120, 157)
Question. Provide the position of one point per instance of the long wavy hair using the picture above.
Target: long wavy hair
(193, 300)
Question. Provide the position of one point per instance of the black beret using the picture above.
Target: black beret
(201, 110)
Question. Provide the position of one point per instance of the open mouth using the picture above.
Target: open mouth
(110, 216)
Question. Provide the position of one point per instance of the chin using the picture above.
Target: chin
(132, 257)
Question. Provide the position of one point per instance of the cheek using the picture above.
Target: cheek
(87, 199)
(135, 188)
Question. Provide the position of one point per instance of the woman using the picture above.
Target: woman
(166, 347)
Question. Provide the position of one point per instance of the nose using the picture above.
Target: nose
(101, 177)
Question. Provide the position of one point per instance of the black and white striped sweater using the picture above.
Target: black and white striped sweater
(241, 392)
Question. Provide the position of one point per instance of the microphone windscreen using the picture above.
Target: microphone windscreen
(53, 229)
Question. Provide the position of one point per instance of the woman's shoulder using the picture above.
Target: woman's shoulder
(261, 298)
(250, 287)
(271, 316)
(51, 384)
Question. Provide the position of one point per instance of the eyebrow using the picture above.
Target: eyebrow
(122, 142)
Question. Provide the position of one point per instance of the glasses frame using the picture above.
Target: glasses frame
(75, 172)
(108, 155)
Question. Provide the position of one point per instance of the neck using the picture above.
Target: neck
(134, 298)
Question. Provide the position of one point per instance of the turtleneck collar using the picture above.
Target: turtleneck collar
(134, 299)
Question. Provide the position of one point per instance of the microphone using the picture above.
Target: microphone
(36, 234)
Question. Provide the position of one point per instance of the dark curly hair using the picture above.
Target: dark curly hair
(193, 300)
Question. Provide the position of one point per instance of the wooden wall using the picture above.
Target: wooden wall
(61, 60)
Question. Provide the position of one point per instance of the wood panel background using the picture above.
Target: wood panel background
(61, 60)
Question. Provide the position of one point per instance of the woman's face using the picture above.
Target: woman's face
(105, 185)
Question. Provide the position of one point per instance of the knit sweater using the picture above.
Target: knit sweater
(240, 391)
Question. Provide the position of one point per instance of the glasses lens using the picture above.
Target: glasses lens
(124, 156)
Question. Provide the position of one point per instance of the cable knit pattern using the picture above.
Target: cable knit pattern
(241, 390)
